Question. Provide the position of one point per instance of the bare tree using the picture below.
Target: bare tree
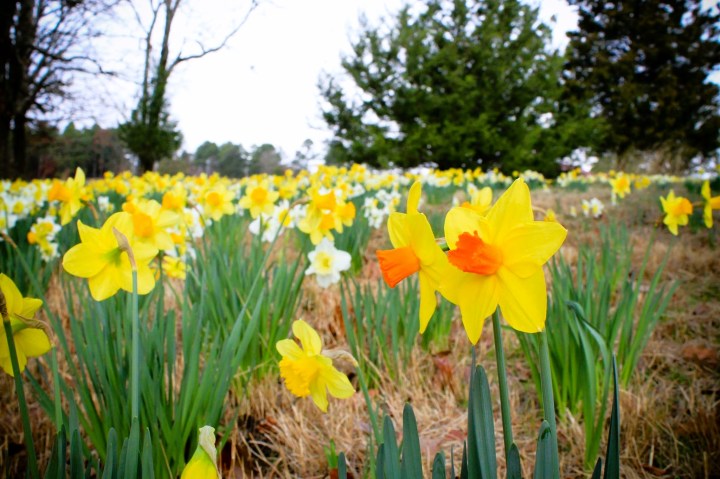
(43, 43)
(149, 133)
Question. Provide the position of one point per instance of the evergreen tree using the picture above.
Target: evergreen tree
(458, 83)
(643, 65)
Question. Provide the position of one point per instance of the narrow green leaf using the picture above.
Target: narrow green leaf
(544, 453)
(514, 470)
(612, 457)
(147, 457)
(77, 461)
(438, 469)
(597, 471)
(111, 460)
(133, 450)
(342, 466)
(411, 466)
(390, 450)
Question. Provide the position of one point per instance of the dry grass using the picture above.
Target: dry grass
(669, 414)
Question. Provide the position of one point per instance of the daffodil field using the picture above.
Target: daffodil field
(358, 323)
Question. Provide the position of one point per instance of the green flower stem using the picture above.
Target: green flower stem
(369, 404)
(502, 383)
(548, 399)
(56, 390)
(27, 431)
(135, 359)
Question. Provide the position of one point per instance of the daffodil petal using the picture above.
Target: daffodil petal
(421, 238)
(428, 300)
(464, 220)
(413, 199)
(5, 362)
(398, 230)
(289, 349)
(13, 298)
(30, 307)
(338, 384)
(512, 208)
(533, 243)
(33, 342)
(319, 395)
(104, 284)
(523, 301)
(476, 295)
(81, 261)
(309, 338)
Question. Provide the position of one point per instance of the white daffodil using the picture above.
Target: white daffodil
(327, 262)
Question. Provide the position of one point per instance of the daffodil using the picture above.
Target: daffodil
(30, 342)
(151, 224)
(414, 251)
(480, 199)
(327, 262)
(677, 211)
(308, 370)
(218, 202)
(620, 186)
(99, 258)
(259, 198)
(497, 260)
(711, 203)
(203, 463)
(70, 194)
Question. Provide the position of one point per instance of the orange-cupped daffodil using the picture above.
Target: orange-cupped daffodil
(30, 342)
(308, 370)
(497, 261)
(677, 211)
(414, 251)
(100, 259)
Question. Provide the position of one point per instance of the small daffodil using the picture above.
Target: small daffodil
(203, 463)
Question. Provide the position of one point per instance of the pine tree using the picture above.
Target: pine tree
(644, 66)
(459, 83)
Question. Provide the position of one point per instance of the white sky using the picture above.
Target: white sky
(262, 88)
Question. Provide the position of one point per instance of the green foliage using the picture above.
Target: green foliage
(265, 159)
(478, 459)
(228, 159)
(382, 324)
(457, 84)
(644, 66)
(597, 306)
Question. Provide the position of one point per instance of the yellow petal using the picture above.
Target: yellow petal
(523, 301)
(421, 238)
(338, 385)
(30, 307)
(308, 337)
(33, 342)
(88, 234)
(104, 284)
(83, 261)
(413, 199)
(476, 295)
(705, 190)
(398, 230)
(289, 349)
(5, 356)
(464, 220)
(533, 243)
(428, 300)
(146, 279)
(319, 395)
(13, 298)
(512, 208)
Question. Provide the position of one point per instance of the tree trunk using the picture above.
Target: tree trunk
(19, 148)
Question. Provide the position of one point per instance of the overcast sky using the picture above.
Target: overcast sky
(261, 88)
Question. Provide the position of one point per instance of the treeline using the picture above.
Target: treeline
(97, 150)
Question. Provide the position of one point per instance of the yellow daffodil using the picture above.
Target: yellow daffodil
(107, 267)
(30, 342)
(70, 194)
(308, 370)
(550, 216)
(259, 198)
(217, 202)
(414, 251)
(174, 267)
(480, 199)
(677, 211)
(711, 203)
(497, 260)
(620, 186)
(151, 224)
(203, 463)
